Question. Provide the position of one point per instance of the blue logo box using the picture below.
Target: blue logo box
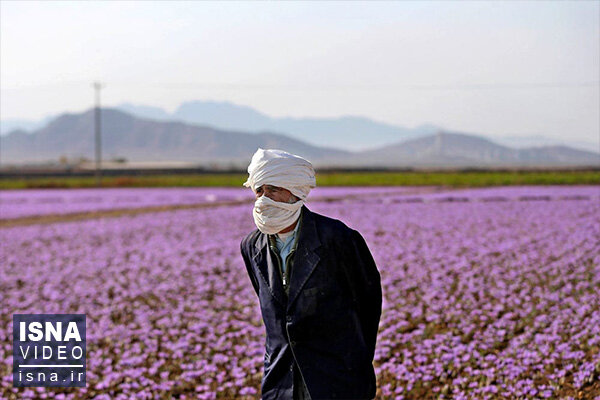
(49, 350)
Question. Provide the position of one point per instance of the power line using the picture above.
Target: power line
(375, 87)
(325, 86)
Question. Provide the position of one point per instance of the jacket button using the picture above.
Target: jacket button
(291, 367)
(288, 318)
(293, 343)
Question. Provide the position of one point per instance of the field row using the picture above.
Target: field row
(28, 203)
(31, 202)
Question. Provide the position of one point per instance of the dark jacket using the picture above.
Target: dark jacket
(329, 321)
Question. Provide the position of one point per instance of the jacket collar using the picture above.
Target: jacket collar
(305, 259)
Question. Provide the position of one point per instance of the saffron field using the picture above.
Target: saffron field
(488, 293)
(24, 203)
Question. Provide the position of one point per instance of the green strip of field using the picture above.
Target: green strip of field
(449, 179)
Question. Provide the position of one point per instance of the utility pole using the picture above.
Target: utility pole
(98, 141)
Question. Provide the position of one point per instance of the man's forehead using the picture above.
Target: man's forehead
(269, 187)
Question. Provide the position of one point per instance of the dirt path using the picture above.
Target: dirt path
(113, 213)
(53, 218)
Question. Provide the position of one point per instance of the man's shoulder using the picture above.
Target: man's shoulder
(249, 241)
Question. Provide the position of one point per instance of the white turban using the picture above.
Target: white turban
(282, 169)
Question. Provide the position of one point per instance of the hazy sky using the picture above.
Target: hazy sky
(499, 68)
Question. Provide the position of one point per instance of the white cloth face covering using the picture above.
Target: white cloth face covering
(272, 216)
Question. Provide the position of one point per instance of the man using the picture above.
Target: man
(318, 287)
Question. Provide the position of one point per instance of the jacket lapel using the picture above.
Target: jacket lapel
(267, 268)
(306, 257)
(305, 260)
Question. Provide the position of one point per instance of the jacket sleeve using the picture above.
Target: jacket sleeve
(365, 283)
(249, 267)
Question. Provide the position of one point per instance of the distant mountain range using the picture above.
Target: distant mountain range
(345, 133)
(9, 125)
(455, 149)
(348, 133)
(139, 139)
